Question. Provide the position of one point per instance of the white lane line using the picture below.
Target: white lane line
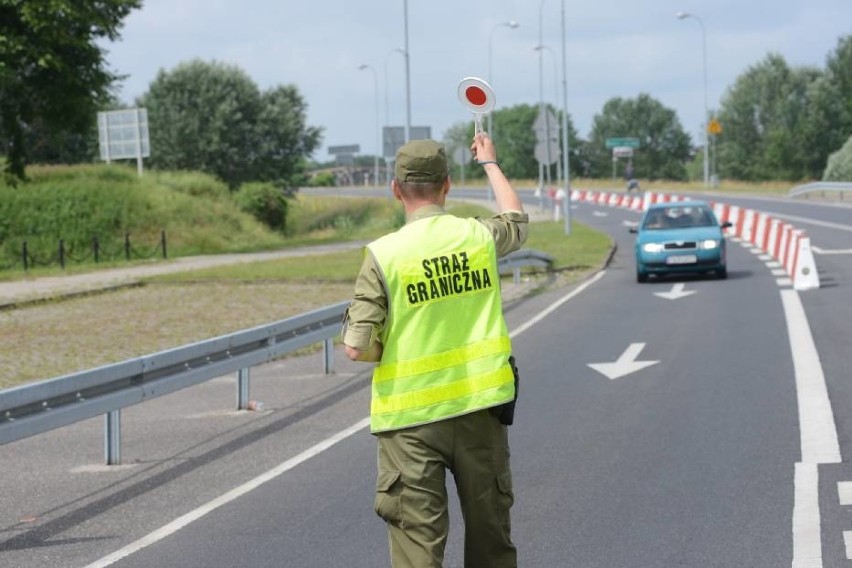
(235, 493)
(779, 272)
(817, 222)
(784, 282)
(816, 419)
(817, 431)
(807, 542)
(830, 251)
(847, 540)
(549, 309)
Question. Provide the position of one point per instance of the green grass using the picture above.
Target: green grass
(583, 249)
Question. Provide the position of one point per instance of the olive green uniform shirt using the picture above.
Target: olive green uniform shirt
(367, 313)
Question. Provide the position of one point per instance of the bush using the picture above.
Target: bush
(839, 167)
(323, 179)
(196, 184)
(265, 202)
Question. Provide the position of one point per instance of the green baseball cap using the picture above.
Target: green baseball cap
(421, 160)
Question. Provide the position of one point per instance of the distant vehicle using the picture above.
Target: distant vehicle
(680, 237)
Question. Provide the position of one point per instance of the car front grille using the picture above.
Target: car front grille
(679, 245)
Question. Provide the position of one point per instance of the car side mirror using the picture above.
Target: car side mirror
(727, 224)
(633, 230)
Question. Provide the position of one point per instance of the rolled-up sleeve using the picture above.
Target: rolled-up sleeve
(509, 229)
(366, 315)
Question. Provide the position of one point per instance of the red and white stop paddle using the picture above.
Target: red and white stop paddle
(478, 96)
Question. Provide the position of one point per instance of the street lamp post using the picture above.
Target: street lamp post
(512, 24)
(407, 77)
(540, 48)
(682, 16)
(387, 110)
(376, 90)
(566, 150)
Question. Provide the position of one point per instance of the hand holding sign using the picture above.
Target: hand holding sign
(478, 97)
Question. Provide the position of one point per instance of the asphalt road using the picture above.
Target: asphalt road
(710, 450)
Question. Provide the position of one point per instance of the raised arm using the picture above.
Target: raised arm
(485, 154)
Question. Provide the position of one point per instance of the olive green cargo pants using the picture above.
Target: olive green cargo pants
(411, 494)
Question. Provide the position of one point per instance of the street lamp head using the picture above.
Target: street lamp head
(363, 66)
(512, 24)
(682, 15)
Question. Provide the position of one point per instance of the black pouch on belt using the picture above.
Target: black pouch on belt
(505, 412)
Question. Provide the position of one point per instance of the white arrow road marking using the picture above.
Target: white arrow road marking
(676, 292)
(627, 223)
(625, 364)
(830, 251)
(600, 214)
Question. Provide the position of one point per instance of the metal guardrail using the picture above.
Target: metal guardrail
(839, 186)
(32, 409)
(518, 259)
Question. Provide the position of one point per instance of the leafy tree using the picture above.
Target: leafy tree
(839, 166)
(839, 68)
(284, 138)
(664, 146)
(212, 117)
(514, 139)
(52, 73)
(778, 122)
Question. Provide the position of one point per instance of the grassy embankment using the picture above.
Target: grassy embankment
(56, 338)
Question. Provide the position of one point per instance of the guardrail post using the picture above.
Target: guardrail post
(328, 356)
(112, 437)
(243, 380)
(516, 275)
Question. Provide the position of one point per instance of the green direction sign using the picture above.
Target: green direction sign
(622, 142)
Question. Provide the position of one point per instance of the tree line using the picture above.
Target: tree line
(778, 122)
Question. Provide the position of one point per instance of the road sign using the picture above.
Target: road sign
(394, 136)
(545, 125)
(547, 154)
(626, 142)
(123, 134)
(714, 127)
(350, 149)
(462, 155)
(622, 152)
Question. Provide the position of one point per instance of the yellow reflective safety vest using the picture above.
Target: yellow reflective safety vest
(446, 345)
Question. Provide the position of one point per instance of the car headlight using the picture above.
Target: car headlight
(709, 244)
(652, 247)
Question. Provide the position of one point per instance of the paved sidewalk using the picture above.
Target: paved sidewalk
(48, 287)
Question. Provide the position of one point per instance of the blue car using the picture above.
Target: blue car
(680, 237)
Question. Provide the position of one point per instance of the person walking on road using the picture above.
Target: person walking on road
(427, 309)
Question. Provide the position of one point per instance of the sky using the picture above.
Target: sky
(614, 48)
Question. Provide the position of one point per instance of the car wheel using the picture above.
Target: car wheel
(722, 273)
(641, 277)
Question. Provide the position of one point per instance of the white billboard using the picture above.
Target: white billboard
(123, 134)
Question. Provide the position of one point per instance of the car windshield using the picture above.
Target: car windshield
(678, 217)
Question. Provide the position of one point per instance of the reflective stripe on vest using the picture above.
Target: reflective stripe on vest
(446, 344)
